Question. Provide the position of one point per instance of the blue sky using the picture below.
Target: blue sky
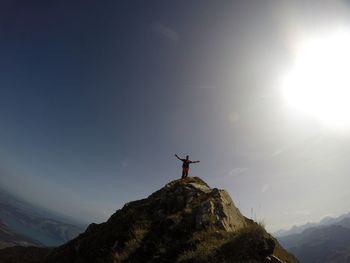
(95, 99)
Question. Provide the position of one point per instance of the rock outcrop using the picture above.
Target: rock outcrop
(213, 207)
(185, 221)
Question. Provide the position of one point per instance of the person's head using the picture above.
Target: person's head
(187, 157)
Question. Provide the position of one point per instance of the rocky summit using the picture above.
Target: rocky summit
(185, 221)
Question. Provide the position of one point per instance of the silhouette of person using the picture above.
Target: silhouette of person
(185, 165)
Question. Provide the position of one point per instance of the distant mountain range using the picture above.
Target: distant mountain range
(299, 229)
(25, 224)
(8, 238)
(324, 242)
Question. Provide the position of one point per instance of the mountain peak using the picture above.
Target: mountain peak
(209, 207)
(185, 221)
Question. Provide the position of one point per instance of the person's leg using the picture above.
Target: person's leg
(186, 172)
(183, 174)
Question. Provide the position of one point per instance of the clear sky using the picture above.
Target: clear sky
(97, 96)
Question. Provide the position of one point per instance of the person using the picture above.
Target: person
(185, 165)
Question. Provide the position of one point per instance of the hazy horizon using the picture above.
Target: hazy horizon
(96, 99)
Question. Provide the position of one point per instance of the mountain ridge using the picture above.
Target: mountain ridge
(326, 243)
(297, 229)
(185, 221)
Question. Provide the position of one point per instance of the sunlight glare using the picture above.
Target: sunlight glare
(319, 82)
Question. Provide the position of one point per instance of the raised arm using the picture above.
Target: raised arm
(195, 161)
(178, 157)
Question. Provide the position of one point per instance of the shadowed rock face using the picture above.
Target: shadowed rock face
(185, 221)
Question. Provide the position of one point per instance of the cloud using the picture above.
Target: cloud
(297, 213)
(265, 187)
(237, 171)
(233, 117)
(165, 32)
(124, 164)
(278, 152)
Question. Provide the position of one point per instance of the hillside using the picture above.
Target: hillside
(185, 221)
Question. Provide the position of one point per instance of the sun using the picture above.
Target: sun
(319, 82)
